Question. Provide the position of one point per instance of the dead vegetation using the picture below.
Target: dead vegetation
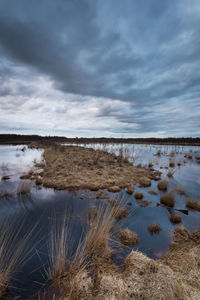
(73, 168)
(153, 192)
(24, 187)
(168, 200)
(192, 203)
(175, 218)
(162, 185)
(138, 195)
(145, 182)
(13, 252)
(130, 190)
(91, 274)
(154, 228)
(120, 212)
(128, 237)
(145, 202)
(112, 201)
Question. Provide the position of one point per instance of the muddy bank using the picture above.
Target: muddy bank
(73, 168)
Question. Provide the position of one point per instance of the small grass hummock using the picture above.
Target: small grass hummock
(162, 185)
(180, 234)
(192, 203)
(114, 189)
(153, 192)
(154, 228)
(168, 200)
(145, 182)
(112, 201)
(24, 187)
(120, 213)
(138, 195)
(130, 190)
(128, 237)
(145, 202)
(175, 218)
(171, 163)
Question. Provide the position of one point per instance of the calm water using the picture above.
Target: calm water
(46, 208)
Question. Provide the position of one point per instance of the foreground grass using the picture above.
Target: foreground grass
(91, 273)
(73, 168)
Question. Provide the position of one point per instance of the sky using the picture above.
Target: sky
(93, 68)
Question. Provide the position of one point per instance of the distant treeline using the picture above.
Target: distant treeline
(26, 139)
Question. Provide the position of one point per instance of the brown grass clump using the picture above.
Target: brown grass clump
(192, 203)
(158, 153)
(6, 177)
(38, 180)
(175, 218)
(130, 190)
(139, 195)
(120, 213)
(171, 163)
(128, 237)
(171, 173)
(114, 189)
(112, 201)
(12, 255)
(24, 188)
(181, 234)
(150, 165)
(152, 192)
(168, 200)
(154, 228)
(145, 182)
(178, 190)
(145, 202)
(162, 185)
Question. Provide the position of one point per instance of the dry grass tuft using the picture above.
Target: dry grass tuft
(171, 173)
(178, 190)
(112, 201)
(130, 190)
(168, 200)
(145, 202)
(6, 177)
(128, 237)
(139, 195)
(192, 203)
(12, 255)
(154, 228)
(171, 163)
(152, 192)
(145, 182)
(175, 218)
(114, 189)
(24, 187)
(120, 212)
(162, 185)
(181, 234)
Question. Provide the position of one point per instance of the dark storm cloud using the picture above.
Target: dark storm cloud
(143, 53)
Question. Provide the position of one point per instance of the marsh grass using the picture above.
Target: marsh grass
(24, 187)
(139, 195)
(75, 274)
(14, 252)
(168, 200)
(154, 228)
(175, 218)
(162, 185)
(128, 237)
(192, 203)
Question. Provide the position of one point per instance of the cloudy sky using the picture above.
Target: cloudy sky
(121, 68)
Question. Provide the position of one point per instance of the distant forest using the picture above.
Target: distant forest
(26, 139)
